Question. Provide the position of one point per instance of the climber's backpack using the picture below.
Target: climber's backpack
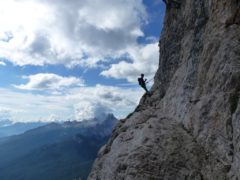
(140, 81)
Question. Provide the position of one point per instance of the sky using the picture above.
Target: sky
(74, 60)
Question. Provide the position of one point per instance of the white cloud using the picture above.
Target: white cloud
(48, 81)
(75, 104)
(93, 100)
(5, 113)
(39, 32)
(144, 60)
(88, 110)
(51, 118)
(2, 63)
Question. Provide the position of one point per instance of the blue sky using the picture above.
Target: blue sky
(73, 60)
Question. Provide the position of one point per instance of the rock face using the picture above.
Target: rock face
(189, 128)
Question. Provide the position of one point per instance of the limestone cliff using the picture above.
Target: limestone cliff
(190, 127)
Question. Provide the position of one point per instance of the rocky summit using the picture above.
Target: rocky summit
(189, 127)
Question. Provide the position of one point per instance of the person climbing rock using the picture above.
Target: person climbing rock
(142, 83)
(172, 3)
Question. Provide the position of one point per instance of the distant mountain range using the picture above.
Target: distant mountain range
(55, 151)
(8, 128)
(5, 122)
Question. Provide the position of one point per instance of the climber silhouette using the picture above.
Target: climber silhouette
(142, 83)
(172, 3)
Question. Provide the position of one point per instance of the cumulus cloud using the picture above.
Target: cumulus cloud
(49, 81)
(89, 110)
(98, 99)
(75, 104)
(144, 60)
(68, 32)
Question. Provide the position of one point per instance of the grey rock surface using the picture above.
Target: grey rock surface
(189, 128)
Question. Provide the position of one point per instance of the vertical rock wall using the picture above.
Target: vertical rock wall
(189, 128)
